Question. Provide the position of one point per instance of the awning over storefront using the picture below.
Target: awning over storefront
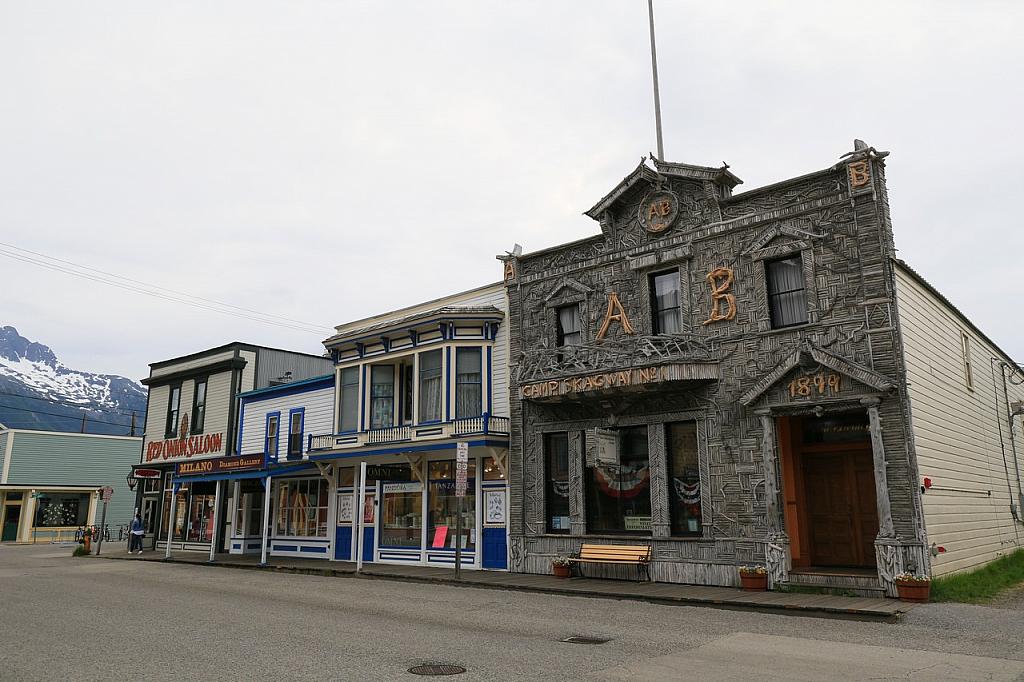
(401, 449)
(237, 475)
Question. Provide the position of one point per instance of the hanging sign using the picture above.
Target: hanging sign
(146, 473)
(461, 467)
(107, 492)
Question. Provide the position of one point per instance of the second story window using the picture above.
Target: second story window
(430, 386)
(666, 314)
(787, 297)
(382, 396)
(173, 409)
(349, 408)
(270, 441)
(965, 346)
(199, 406)
(295, 433)
(468, 378)
(570, 326)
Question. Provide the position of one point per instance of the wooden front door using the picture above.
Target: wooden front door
(841, 512)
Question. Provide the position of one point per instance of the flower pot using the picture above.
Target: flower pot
(561, 571)
(754, 582)
(913, 591)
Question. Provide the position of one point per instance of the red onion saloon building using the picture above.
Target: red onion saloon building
(191, 435)
(753, 378)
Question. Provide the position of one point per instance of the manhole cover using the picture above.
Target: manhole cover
(579, 639)
(437, 669)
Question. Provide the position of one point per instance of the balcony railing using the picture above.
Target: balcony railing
(483, 425)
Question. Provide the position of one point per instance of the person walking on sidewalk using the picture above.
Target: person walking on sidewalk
(135, 539)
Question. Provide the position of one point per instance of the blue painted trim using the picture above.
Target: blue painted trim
(425, 322)
(266, 430)
(490, 380)
(280, 471)
(318, 550)
(300, 386)
(284, 548)
(408, 448)
(236, 547)
(302, 427)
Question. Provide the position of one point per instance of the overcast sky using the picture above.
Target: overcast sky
(325, 161)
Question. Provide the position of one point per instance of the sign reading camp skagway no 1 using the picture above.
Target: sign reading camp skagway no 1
(185, 446)
(638, 376)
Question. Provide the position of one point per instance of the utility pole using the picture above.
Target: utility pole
(83, 423)
(657, 95)
(132, 433)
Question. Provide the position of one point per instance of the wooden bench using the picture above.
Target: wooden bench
(635, 555)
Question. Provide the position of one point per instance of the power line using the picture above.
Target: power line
(57, 414)
(155, 291)
(111, 410)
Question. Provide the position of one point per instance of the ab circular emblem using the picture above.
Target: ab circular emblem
(658, 211)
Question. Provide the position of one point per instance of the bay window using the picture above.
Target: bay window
(382, 396)
(430, 386)
(468, 383)
(349, 420)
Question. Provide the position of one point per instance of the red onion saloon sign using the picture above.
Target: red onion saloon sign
(185, 445)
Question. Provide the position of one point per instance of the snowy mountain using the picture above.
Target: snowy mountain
(38, 391)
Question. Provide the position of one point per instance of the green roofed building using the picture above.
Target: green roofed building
(50, 482)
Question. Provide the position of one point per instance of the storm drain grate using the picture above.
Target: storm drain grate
(579, 639)
(437, 669)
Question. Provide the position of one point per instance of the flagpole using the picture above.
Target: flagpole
(657, 96)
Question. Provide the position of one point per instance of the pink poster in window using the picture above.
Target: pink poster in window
(368, 508)
(440, 533)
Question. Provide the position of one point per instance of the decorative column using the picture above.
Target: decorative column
(777, 557)
(577, 508)
(888, 550)
(661, 521)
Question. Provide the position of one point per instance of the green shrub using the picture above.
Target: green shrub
(983, 584)
(80, 551)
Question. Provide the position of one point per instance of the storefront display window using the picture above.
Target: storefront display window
(301, 508)
(61, 509)
(200, 513)
(619, 497)
(249, 510)
(684, 478)
(492, 472)
(556, 495)
(401, 521)
(443, 506)
(181, 501)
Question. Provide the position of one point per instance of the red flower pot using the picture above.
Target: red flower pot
(913, 591)
(754, 582)
(561, 571)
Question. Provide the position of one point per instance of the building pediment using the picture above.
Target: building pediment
(566, 289)
(813, 373)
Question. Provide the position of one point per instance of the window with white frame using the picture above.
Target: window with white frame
(430, 386)
(468, 383)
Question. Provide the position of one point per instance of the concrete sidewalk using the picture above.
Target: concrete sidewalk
(820, 605)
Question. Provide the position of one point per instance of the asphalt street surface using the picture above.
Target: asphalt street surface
(95, 619)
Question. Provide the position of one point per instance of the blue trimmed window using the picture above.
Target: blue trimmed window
(270, 439)
(430, 386)
(296, 419)
(349, 410)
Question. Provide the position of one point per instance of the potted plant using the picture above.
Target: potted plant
(913, 587)
(754, 578)
(87, 539)
(561, 567)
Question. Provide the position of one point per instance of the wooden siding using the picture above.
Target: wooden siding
(3, 456)
(274, 363)
(957, 432)
(191, 364)
(41, 458)
(318, 416)
(249, 371)
(218, 406)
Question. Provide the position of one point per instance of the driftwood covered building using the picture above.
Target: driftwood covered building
(724, 376)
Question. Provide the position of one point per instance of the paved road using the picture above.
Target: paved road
(142, 620)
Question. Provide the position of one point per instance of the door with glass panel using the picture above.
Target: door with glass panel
(401, 519)
(442, 508)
